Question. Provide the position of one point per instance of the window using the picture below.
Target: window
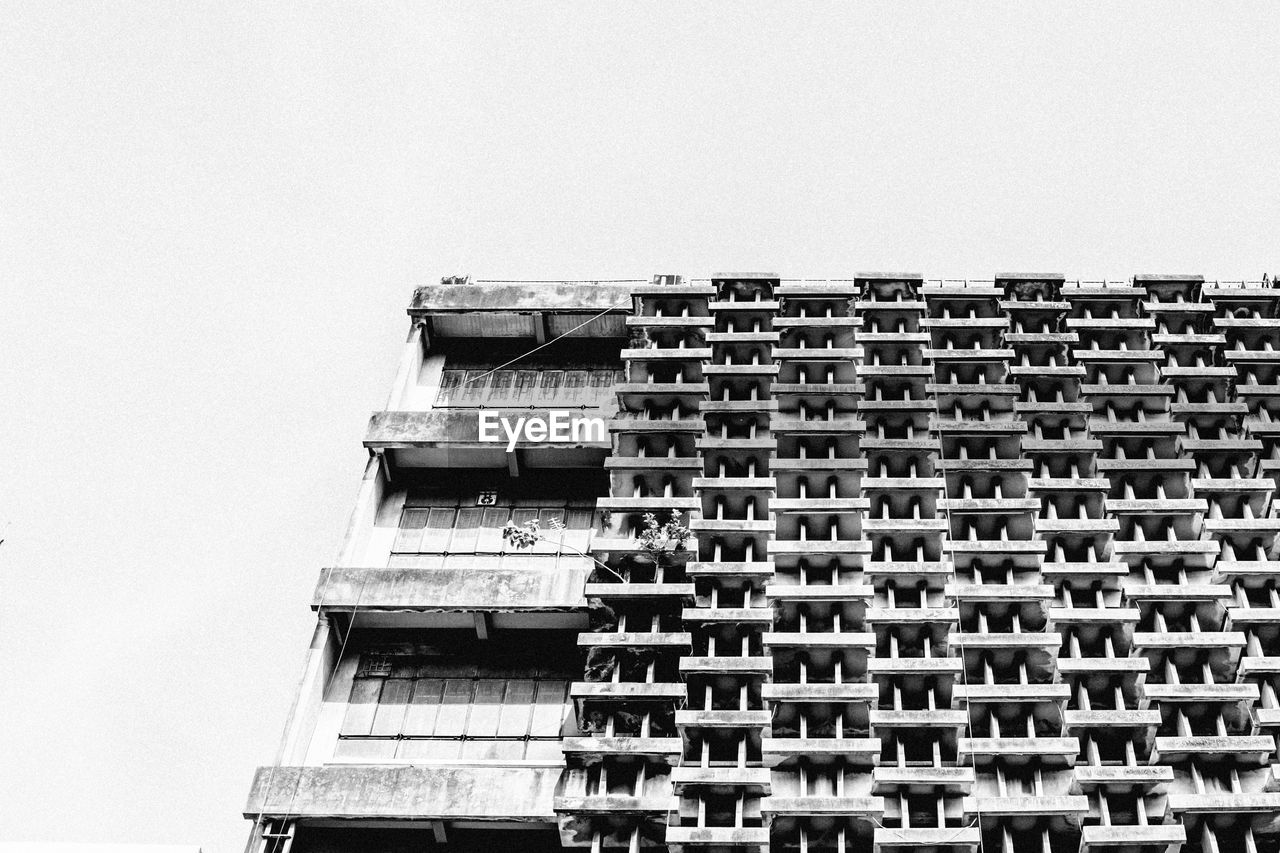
(435, 708)
(459, 529)
(510, 388)
(456, 521)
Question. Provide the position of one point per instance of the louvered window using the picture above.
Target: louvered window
(515, 389)
(465, 530)
(411, 707)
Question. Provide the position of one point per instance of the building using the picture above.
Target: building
(959, 566)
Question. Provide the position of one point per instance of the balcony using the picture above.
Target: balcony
(453, 438)
(498, 591)
(718, 837)
(1152, 838)
(929, 839)
(404, 792)
(534, 310)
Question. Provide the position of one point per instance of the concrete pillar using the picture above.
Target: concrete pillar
(306, 707)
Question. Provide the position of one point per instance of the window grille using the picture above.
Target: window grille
(460, 529)
(419, 709)
(510, 388)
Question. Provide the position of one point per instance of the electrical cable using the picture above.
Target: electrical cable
(284, 818)
(550, 342)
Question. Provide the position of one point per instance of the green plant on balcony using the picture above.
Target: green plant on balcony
(530, 533)
(666, 537)
(657, 538)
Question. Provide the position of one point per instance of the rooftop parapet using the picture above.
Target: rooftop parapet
(539, 310)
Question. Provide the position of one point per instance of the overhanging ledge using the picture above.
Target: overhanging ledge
(460, 428)
(557, 587)
(405, 792)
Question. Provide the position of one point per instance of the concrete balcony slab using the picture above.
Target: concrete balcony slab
(557, 587)
(891, 780)
(637, 639)
(1054, 751)
(837, 807)
(1240, 750)
(588, 750)
(404, 792)
(1225, 804)
(849, 751)
(928, 840)
(756, 780)
(717, 837)
(606, 805)
(1072, 807)
(1150, 778)
(714, 719)
(1167, 838)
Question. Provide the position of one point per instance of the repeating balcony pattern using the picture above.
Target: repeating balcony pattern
(885, 564)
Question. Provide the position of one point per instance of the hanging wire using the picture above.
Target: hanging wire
(584, 323)
(256, 835)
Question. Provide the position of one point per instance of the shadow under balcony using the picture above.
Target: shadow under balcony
(404, 792)
(452, 438)
(526, 596)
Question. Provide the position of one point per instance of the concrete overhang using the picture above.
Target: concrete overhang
(405, 793)
(535, 310)
(1011, 277)
(899, 840)
(460, 428)
(745, 276)
(1133, 838)
(450, 438)
(1167, 286)
(559, 586)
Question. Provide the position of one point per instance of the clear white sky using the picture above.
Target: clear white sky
(213, 214)
(82, 847)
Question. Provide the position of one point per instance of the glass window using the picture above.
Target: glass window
(486, 706)
(517, 705)
(450, 385)
(362, 706)
(391, 704)
(412, 524)
(438, 531)
(526, 388)
(465, 530)
(550, 709)
(520, 388)
(501, 389)
(420, 716)
(452, 720)
(498, 712)
(601, 384)
(492, 521)
(575, 388)
(459, 530)
(549, 387)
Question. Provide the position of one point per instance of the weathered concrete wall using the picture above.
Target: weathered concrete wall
(368, 519)
(420, 395)
(510, 793)
(559, 585)
(305, 714)
(409, 371)
(459, 428)
(584, 297)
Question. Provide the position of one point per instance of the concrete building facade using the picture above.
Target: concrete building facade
(746, 563)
